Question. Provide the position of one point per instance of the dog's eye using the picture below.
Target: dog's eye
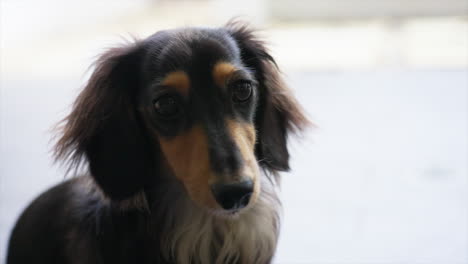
(167, 107)
(241, 91)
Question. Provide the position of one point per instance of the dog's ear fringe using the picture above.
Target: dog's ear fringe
(286, 103)
(73, 133)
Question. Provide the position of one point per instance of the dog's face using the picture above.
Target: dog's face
(208, 104)
(200, 100)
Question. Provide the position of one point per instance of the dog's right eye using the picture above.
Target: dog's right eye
(167, 107)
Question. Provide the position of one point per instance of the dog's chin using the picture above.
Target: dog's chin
(232, 214)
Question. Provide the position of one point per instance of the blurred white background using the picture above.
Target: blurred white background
(384, 177)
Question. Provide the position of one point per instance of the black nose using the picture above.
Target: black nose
(233, 195)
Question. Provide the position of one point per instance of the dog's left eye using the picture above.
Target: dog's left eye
(241, 91)
(167, 107)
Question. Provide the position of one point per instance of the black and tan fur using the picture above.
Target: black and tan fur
(147, 196)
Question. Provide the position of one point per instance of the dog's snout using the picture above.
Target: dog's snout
(233, 195)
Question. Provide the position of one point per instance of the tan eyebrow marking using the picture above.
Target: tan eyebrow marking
(222, 71)
(179, 80)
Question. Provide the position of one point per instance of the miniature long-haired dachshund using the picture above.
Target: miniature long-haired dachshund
(182, 135)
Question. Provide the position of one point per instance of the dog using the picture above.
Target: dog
(182, 136)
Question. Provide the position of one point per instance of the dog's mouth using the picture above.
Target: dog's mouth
(228, 214)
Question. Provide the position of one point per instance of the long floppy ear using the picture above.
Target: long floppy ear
(278, 112)
(104, 126)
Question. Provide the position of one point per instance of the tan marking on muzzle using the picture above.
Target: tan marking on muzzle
(178, 80)
(222, 71)
(188, 156)
(244, 137)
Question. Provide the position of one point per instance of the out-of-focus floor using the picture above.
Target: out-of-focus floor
(382, 179)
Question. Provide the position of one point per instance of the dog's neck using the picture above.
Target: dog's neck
(190, 234)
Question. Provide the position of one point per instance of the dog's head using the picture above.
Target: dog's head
(206, 105)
